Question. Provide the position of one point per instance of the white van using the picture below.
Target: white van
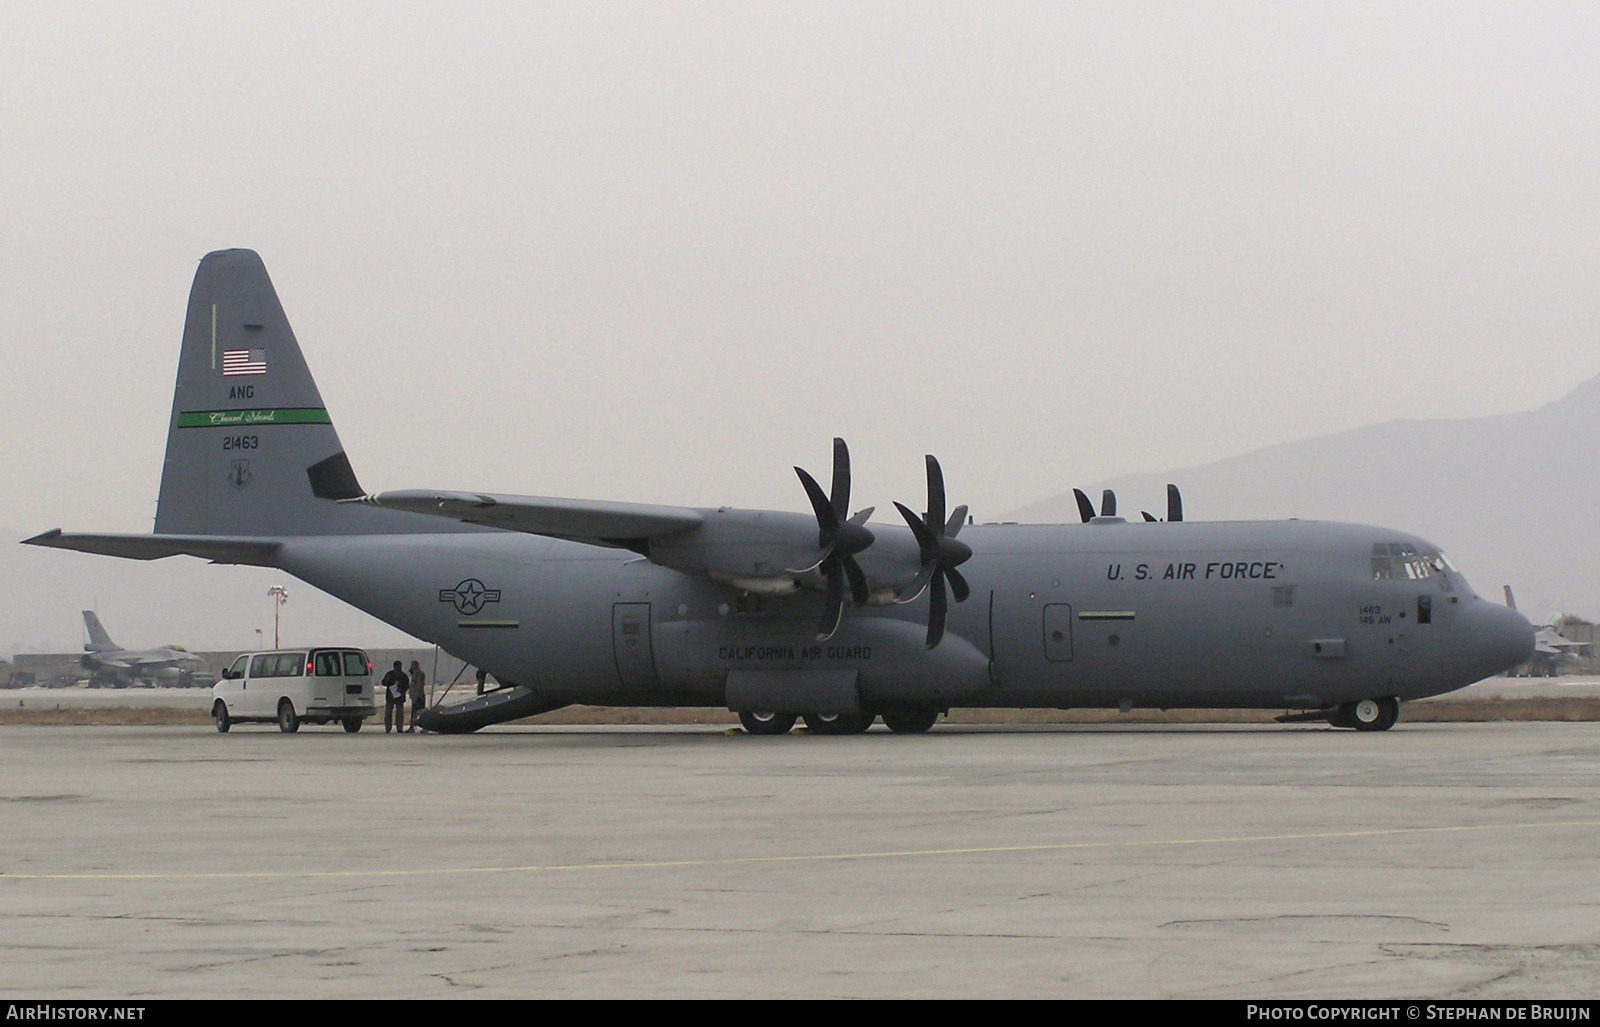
(292, 686)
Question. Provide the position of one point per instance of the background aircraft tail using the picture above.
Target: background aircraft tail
(251, 450)
(99, 640)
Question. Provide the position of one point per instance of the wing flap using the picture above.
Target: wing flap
(605, 523)
(257, 552)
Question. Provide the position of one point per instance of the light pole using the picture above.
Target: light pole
(259, 646)
(279, 595)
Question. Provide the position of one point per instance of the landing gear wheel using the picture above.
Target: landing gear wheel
(1371, 714)
(910, 722)
(767, 723)
(352, 725)
(838, 723)
(288, 723)
(219, 711)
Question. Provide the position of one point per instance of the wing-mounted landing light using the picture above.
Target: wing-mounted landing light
(941, 554)
(838, 540)
(1174, 506)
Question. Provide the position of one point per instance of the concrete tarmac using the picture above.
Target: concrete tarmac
(1435, 860)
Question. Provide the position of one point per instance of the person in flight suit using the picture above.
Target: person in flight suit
(395, 685)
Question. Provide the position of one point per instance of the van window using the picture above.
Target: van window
(355, 665)
(237, 670)
(289, 665)
(327, 665)
(261, 667)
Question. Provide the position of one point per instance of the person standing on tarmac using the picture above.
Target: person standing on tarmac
(395, 684)
(419, 692)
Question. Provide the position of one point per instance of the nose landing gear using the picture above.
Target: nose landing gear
(1368, 714)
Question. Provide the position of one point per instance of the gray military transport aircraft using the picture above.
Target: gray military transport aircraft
(781, 615)
(110, 664)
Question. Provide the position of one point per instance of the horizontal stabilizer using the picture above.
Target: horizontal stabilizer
(257, 552)
(577, 519)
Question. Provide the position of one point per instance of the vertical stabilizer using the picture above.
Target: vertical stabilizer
(251, 450)
(99, 640)
(1511, 600)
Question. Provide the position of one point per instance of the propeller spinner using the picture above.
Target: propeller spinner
(839, 539)
(941, 554)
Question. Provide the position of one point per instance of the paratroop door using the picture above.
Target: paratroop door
(630, 638)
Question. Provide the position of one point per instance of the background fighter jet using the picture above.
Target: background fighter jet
(111, 666)
(779, 615)
(1550, 648)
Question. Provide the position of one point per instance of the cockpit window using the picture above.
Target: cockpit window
(1401, 561)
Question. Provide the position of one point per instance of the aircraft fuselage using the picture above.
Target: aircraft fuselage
(1218, 614)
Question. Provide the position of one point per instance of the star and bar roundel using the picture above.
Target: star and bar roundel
(469, 596)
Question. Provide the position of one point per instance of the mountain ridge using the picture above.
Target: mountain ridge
(1510, 496)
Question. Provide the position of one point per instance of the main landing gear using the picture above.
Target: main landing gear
(767, 723)
(1368, 714)
(903, 722)
(838, 723)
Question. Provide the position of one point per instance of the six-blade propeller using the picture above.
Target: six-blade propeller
(941, 553)
(1174, 506)
(839, 539)
(1108, 506)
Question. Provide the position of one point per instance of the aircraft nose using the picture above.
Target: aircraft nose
(1493, 639)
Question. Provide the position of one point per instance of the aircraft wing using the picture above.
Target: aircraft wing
(216, 548)
(582, 520)
(1552, 644)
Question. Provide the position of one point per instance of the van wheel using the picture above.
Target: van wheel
(288, 723)
(767, 723)
(352, 725)
(220, 712)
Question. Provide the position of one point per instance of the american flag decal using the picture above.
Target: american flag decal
(244, 361)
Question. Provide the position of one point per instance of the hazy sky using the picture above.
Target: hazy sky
(662, 252)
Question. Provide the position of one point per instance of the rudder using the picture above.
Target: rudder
(99, 639)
